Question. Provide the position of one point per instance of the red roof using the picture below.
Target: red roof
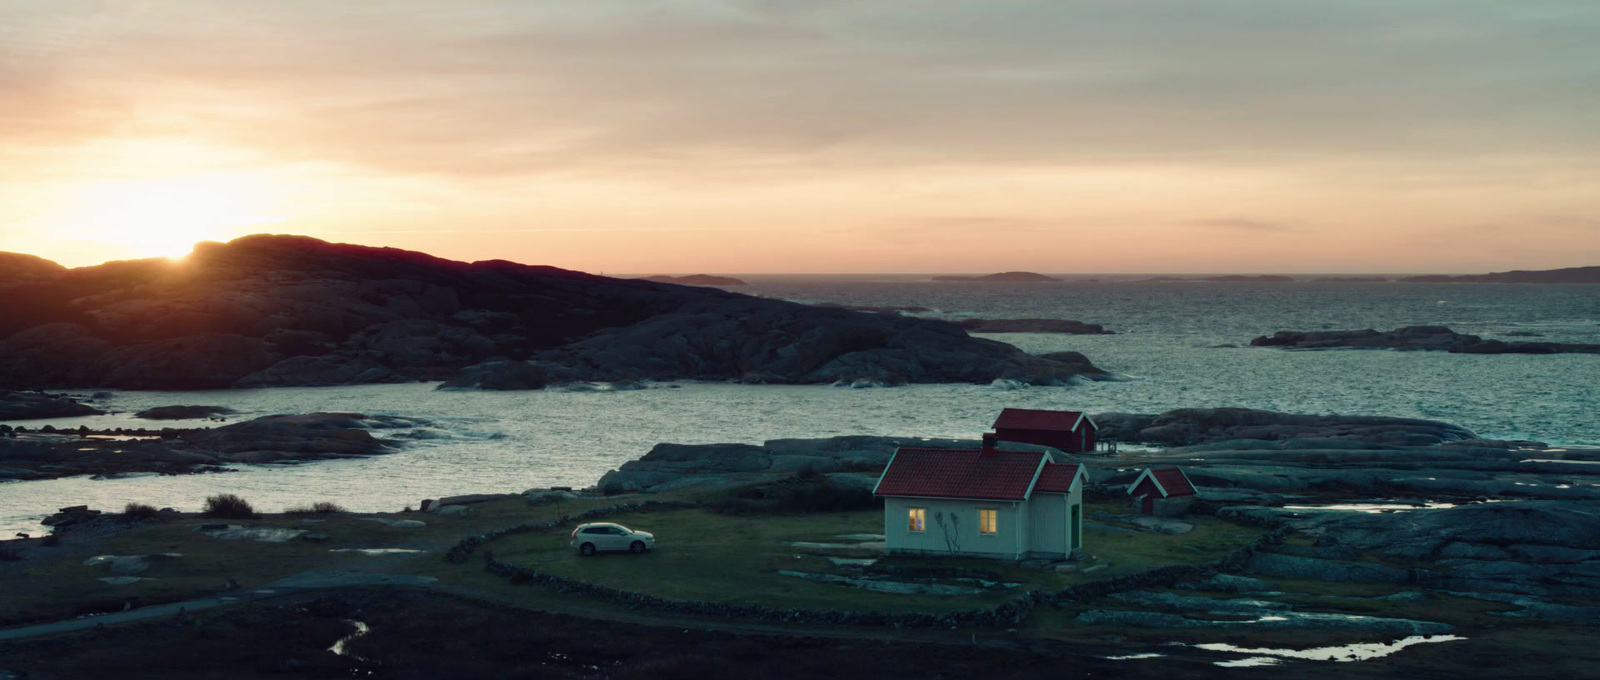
(1174, 482)
(960, 473)
(1031, 419)
(1169, 481)
(1057, 478)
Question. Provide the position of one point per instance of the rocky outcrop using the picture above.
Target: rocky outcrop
(265, 311)
(850, 461)
(282, 438)
(501, 375)
(1192, 426)
(1568, 275)
(697, 280)
(1002, 277)
(182, 412)
(1067, 326)
(1414, 338)
(33, 405)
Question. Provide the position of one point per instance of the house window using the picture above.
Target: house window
(919, 517)
(988, 522)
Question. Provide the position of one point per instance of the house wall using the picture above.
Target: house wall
(1047, 524)
(1012, 522)
(1078, 441)
(1051, 522)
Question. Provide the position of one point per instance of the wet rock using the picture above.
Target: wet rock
(33, 405)
(302, 435)
(182, 412)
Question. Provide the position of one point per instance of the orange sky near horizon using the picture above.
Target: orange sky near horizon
(769, 136)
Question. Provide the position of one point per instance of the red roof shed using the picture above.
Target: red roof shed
(1068, 431)
(1166, 483)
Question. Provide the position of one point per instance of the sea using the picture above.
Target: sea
(1176, 344)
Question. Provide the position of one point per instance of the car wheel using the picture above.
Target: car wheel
(637, 547)
(586, 549)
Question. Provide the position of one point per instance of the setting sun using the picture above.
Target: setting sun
(165, 217)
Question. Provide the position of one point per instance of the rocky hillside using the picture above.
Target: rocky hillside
(266, 311)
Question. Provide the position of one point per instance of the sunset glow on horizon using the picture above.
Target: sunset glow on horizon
(767, 136)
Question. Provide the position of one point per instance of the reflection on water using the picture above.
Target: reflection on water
(340, 646)
(1353, 652)
(1373, 507)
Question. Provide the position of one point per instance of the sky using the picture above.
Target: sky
(824, 136)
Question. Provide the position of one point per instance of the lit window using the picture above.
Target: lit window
(988, 522)
(918, 518)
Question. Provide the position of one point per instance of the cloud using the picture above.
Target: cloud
(757, 88)
(1242, 224)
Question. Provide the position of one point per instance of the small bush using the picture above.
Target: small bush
(317, 508)
(140, 511)
(228, 506)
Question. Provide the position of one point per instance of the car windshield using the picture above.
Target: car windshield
(624, 529)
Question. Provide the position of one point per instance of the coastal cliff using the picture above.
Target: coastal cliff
(268, 311)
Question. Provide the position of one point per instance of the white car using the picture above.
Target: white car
(594, 537)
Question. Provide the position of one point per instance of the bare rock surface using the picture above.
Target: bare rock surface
(280, 438)
(1192, 426)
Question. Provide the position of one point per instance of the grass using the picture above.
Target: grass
(703, 555)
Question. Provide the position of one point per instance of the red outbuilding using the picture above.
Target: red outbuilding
(1068, 431)
(1162, 492)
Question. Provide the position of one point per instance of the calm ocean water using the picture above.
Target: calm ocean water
(1179, 344)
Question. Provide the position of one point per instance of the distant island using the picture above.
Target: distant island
(1241, 278)
(1353, 279)
(1437, 338)
(1568, 275)
(1002, 277)
(1066, 326)
(1225, 278)
(697, 280)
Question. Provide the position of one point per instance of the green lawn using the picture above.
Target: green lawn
(702, 555)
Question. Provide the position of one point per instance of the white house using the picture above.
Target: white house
(984, 502)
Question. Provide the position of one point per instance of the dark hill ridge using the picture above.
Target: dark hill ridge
(1568, 275)
(20, 266)
(266, 311)
(697, 280)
